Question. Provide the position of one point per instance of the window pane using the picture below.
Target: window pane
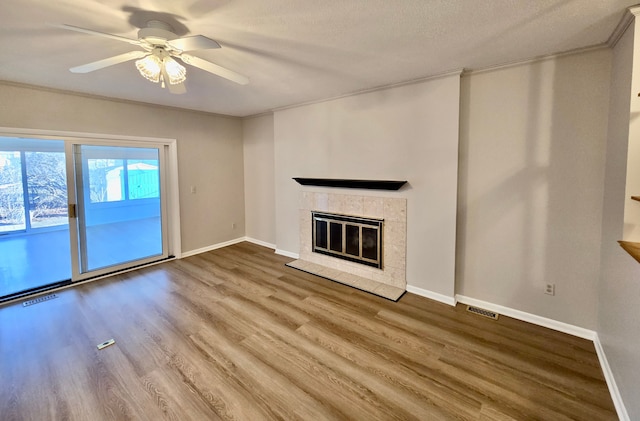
(119, 230)
(11, 192)
(47, 188)
(106, 180)
(144, 178)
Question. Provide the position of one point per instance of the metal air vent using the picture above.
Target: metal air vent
(483, 312)
(39, 300)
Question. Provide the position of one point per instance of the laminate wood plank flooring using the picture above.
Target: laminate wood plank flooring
(234, 334)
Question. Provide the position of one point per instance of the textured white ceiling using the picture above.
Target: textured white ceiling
(293, 51)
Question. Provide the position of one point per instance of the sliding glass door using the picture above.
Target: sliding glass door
(34, 229)
(120, 207)
(73, 209)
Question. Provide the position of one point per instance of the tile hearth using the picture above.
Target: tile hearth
(355, 281)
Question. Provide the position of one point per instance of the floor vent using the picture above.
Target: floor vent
(483, 312)
(39, 300)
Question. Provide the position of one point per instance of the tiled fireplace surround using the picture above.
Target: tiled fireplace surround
(390, 281)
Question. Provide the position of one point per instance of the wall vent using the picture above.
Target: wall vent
(483, 312)
(39, 300)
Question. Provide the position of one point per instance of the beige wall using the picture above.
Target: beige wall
(632, 207)
(209, 150)
(403, 133)
(532, 148)
(619, 292)
(259, 178)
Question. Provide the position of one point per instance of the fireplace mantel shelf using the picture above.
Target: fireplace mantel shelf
(352, 184)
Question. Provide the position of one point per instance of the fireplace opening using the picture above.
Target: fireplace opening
(348, 237)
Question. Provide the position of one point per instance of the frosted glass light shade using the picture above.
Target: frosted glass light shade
(176, 72)
(150, 67)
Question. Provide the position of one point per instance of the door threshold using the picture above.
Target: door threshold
(34, 291)
(68, 283)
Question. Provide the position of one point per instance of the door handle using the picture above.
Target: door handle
(71, 209)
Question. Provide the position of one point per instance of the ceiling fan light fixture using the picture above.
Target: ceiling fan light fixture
(176, 72)
(150, 67)
(155, 62)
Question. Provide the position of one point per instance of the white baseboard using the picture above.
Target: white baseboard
(611, 382)
(531, 318)
(287, 254)
(236, 241)
(432, 295)
(212, 247)
(260, 242)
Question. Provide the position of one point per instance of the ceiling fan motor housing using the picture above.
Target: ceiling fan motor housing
(157, 33)
(160, 52)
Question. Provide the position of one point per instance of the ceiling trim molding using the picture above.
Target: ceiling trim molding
(460, 72)
(457, 72)
(536, 59)
(112, 99)
(266, 113)
(627, 19)
(71, 135)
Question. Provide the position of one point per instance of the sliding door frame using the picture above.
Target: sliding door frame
(83, 203)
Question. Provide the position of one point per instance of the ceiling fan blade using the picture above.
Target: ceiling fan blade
(96, 65)
(214, 68)
(177, 89)
(100, 34)
(196, 42)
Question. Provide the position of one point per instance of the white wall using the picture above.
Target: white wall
(532, 148)
(209, 150)
(403, 133)
(259, 191)
(619, 292)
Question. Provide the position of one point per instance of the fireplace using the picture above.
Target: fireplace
(351, 238)
(381, 226)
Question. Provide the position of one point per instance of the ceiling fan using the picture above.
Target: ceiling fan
(161, 46)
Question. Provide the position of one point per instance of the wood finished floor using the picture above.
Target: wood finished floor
(233, 334)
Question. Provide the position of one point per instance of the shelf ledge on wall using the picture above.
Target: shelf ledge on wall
(352, 184)
(632, 248)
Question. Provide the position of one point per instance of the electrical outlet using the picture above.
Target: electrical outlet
(550, 289)
(193, 189)
(233, 225)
